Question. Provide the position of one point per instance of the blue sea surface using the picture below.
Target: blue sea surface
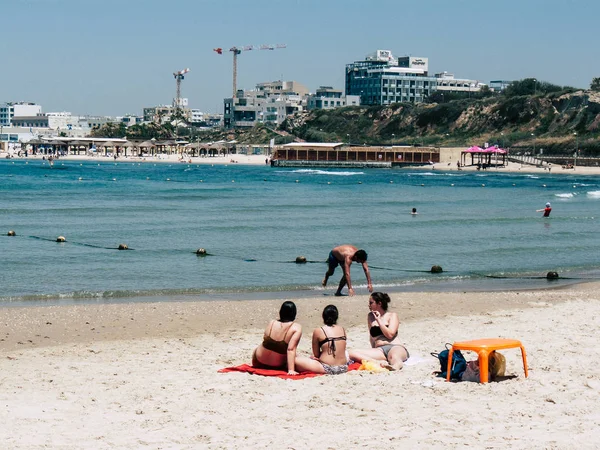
(481, 227)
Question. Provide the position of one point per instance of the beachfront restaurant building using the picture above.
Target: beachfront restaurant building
(338, 154)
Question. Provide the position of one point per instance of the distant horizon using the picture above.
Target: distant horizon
(71, 56)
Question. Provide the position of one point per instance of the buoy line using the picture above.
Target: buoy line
(61, 239)
(550, 276)
(403, 270)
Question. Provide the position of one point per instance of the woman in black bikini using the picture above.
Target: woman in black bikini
(383, 334)
(329, 347)
(278, 348)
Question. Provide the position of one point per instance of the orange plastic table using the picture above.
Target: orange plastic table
(484, 347)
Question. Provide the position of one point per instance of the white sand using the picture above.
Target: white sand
(513, 167)
(145, 376)
(229, 159)
(448, 163)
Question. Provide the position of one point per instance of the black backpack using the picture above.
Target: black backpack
(459, 363)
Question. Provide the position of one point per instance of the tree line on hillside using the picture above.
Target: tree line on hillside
(527, 86)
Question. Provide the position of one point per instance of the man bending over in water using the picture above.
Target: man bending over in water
(344, 256)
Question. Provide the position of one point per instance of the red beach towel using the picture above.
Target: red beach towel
(278, 373)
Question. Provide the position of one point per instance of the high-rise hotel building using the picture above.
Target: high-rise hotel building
(382, 79)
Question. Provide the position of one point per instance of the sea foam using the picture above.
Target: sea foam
(326, 172)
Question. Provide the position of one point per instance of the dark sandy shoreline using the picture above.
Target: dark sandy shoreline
(39, 326)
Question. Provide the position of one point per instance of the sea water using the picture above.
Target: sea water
(482, 228)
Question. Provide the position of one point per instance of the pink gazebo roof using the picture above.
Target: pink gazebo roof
(476, 149)
(494, 150)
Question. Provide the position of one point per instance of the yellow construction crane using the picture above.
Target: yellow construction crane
(237, 50)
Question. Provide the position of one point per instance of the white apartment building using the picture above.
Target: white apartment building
(446, 82)
(12, 137)
(130, 120)
(62, 123)
(499, 85)
(213, 119)
(163, 113)
(281, 87)
(17, 109)
(197, 116)
(206, 120)
(89, 122)
(270, 102)
(327, 97)
(55, 121)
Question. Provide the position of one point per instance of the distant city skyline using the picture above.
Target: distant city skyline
(115, 58)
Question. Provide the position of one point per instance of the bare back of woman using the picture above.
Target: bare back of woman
(328, 346)
(280, 339)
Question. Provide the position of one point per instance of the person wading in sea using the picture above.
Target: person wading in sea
(344, 256)
(547, 210)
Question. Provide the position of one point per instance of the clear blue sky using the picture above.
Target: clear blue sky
(113, 57)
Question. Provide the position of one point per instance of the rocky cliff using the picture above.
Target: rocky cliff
(557, 123)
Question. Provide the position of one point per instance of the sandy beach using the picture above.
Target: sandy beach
(171, 159)
(447, 163)
(144, 375)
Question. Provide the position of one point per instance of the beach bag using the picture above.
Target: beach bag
(496, 368)
(459, 363)
(497, 365)
(471, 373)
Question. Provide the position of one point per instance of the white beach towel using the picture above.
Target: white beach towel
(415, 359)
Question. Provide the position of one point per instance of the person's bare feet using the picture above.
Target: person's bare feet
(324, 282)
(338, 294)
(391, 367)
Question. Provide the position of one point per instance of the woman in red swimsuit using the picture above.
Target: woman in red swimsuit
(278, 348)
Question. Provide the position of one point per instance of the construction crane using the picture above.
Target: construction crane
(237, 50)
(178, 77)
